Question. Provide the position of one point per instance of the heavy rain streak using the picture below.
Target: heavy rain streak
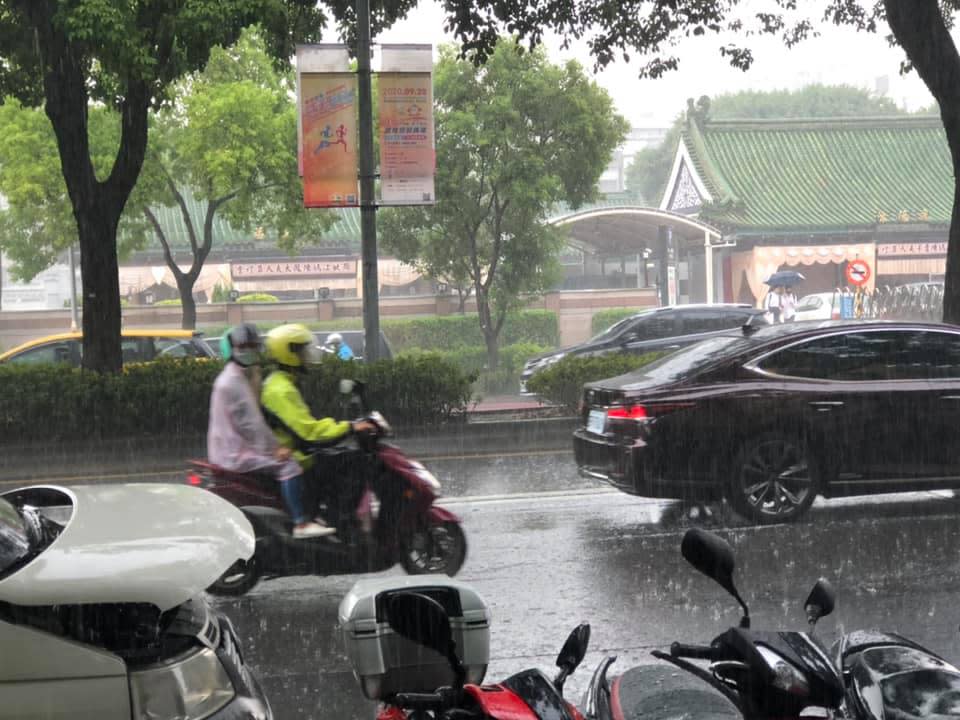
(479, 360)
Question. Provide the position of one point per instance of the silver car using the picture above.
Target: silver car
(102, 613)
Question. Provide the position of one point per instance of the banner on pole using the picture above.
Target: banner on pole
(327, 126)
(407, 155)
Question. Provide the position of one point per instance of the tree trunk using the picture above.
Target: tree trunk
(919, 28)
(490, 331)
(462, 297)
(188, 305)
(1, 282)
(100, 275)
(97, 205)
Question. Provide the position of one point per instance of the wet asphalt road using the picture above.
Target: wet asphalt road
(548, 550)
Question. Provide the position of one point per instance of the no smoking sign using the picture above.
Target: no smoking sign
(857, 272)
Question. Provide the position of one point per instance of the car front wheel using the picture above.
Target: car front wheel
(774, 479)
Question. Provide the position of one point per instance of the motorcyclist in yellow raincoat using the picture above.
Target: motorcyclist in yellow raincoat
(292, 347)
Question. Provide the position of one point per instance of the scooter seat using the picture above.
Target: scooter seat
(261, 478)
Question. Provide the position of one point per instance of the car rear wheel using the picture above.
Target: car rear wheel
(774, 479)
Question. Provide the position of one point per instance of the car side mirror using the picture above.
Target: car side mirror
(820, 602)
(629, 337)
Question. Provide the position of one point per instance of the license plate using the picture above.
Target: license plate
(596, 421)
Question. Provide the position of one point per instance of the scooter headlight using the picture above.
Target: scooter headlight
(786, 676)
(190, 687)
(426, 476)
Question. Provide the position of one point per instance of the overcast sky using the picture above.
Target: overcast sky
(840, 55)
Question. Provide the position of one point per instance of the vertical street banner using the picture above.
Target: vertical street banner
(405, 105)
(327, 137)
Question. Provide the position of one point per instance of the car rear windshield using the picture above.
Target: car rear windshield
(695, 357)
(14, 539)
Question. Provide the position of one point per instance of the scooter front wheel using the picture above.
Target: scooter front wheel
(238, 579)
(437, 548)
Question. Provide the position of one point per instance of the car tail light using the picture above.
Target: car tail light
(642, 413)
(195, 480)
(627, 412)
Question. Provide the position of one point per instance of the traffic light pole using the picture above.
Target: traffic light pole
(368, 206)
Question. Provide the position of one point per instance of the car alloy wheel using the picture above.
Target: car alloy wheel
(774, 479)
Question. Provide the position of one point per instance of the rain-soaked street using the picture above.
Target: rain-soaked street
(548, 550)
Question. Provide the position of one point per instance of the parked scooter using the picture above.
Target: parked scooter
(764, 675)
(409, 528)
(888, 676)
(528, 695)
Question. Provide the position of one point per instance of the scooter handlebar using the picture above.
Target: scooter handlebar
(695, 652)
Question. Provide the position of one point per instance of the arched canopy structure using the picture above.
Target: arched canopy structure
(612, 230)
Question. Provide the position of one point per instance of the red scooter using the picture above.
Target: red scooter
(407, 528)
(528, 695)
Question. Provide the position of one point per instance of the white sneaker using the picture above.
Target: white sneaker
(312, 529)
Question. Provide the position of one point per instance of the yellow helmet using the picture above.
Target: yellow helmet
(286, 344)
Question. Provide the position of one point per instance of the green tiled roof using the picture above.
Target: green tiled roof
(345, 233)
(828, 174)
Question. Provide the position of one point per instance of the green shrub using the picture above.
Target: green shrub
(170, 302)
(605, 318)
(538, 327)
(54, 403)
(258, 298)
(563, 382)
(451, 331)
(505, 379)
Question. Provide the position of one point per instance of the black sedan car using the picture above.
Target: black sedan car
(654, 330)
(771, 417)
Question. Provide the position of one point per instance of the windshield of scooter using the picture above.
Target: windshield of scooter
(932, 694)
(14, 537)
(539, 694)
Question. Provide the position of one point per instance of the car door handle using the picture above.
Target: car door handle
(827, 403)
(950, 397)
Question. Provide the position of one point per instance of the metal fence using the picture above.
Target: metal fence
(917, 301)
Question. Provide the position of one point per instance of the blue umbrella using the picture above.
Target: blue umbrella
(785, 277)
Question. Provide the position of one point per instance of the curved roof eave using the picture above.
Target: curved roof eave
(663, 217)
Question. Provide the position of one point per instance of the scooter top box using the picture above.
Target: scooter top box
(386, 663)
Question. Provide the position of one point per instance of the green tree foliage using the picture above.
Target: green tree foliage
(512, 139)
(75, 57)
(652, 30)
(230, 137)
(647, 176)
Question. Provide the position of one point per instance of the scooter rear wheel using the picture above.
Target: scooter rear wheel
(439, 548)
(238, 579)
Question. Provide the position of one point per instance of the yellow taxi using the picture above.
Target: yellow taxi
(138, 346)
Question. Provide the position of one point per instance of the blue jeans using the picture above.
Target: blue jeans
(292, 491)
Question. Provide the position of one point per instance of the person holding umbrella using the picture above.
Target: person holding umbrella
(779, 303)
(773, 304)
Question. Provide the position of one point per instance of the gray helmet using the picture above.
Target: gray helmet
(242, 345)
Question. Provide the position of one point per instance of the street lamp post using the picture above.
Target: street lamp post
(368, 208)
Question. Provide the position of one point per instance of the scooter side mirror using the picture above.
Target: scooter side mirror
(572, 653)
(713, 556)
(820, 602)
(346, 386)
(424, 621)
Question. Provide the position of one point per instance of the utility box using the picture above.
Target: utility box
(386, 663)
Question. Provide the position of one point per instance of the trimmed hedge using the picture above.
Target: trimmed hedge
(605, 318)
(53, 403)
(505, 379)
(539, 327)
(563, 382)
(258, 298)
